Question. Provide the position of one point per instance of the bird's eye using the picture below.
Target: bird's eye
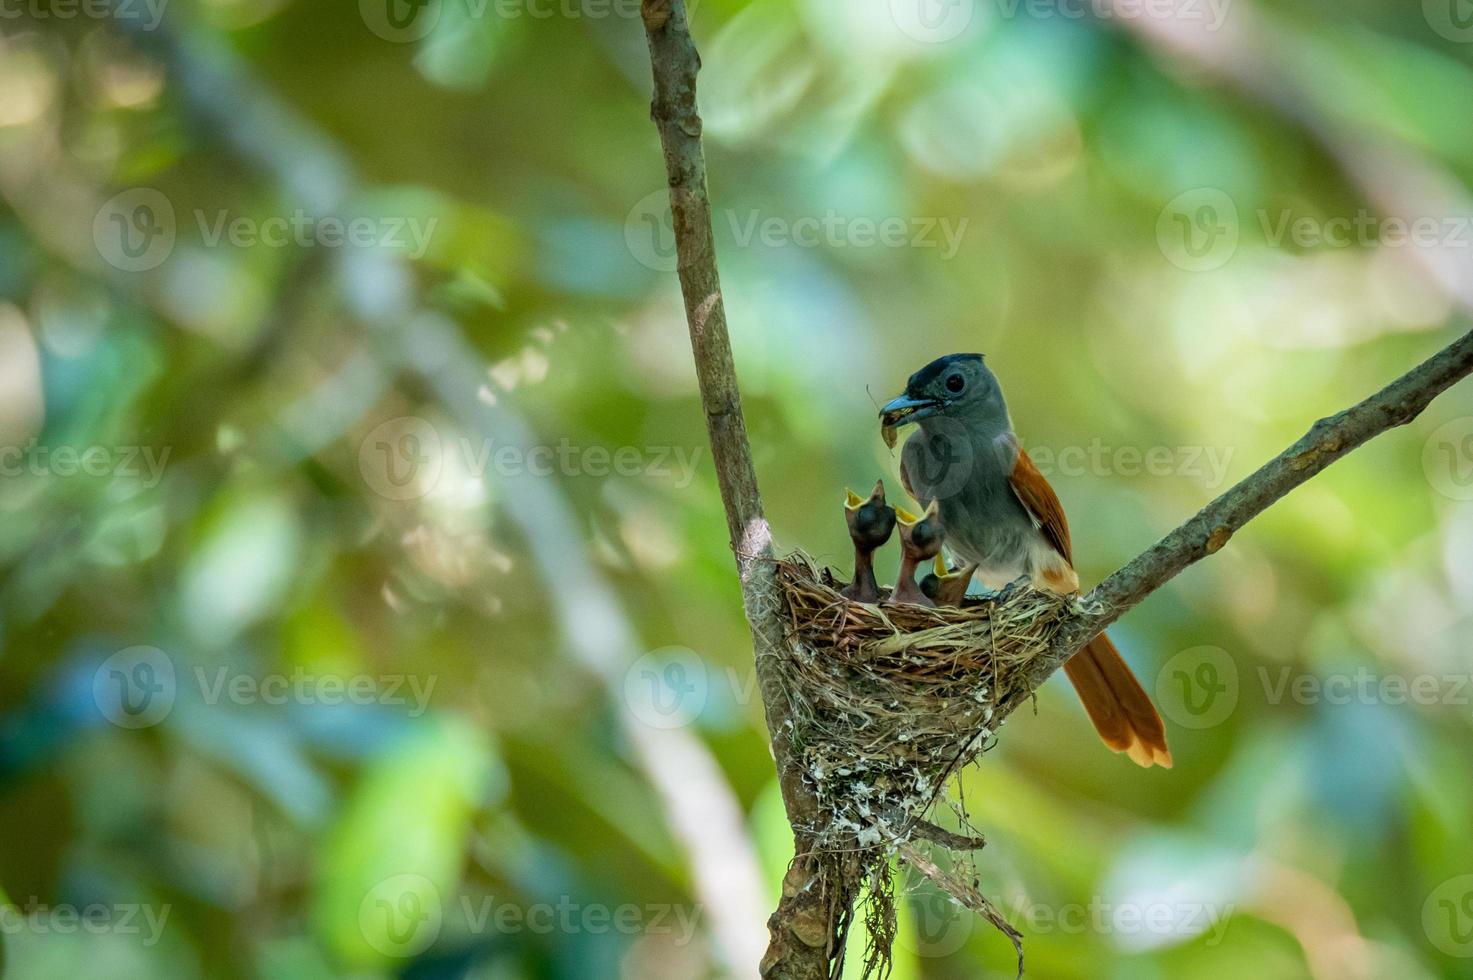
(955, 383)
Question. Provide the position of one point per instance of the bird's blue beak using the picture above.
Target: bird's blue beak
(904, 410)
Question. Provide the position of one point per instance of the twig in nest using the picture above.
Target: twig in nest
(963, 892)
(948, 839)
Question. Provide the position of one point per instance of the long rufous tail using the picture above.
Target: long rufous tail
(1122, 713)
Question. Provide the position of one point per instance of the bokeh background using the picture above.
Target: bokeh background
(367, 609)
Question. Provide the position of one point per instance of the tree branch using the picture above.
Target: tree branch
(799, 931)
(232, 106)
(1328, 440)
(802, 913)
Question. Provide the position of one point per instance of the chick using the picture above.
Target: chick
(871, 523)
(947, 588)
(920, 541)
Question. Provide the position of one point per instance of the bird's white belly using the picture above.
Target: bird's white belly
(999, 575)
(1040, 563)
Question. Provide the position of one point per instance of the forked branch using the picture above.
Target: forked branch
(802, 927)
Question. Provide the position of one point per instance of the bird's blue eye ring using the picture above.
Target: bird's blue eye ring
(955, 383)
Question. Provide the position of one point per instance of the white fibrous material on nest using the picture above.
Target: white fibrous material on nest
(888, 702)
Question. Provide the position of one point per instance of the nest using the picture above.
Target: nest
(889, 702)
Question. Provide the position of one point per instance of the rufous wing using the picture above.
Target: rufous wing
(1039, 499)
(1117, 705)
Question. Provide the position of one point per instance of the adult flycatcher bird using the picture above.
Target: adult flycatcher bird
(1000, 513)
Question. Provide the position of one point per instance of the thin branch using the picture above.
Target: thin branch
(797, 950)
(948, 839)
(675, 64)
(233, 107)
(1329, 439)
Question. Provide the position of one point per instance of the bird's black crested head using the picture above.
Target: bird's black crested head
(923, 381)
(957, 386)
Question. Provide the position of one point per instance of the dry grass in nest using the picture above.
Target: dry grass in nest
(889, 702)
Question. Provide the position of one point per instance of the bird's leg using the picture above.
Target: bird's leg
(1011, 589)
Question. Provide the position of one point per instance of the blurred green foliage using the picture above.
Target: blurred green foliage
(285, 691)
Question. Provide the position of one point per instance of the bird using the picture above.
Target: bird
(945, 587)
(871, 522)
(920, 541)
(1001, 513)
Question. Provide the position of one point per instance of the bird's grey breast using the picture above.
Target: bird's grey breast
(967, 475)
